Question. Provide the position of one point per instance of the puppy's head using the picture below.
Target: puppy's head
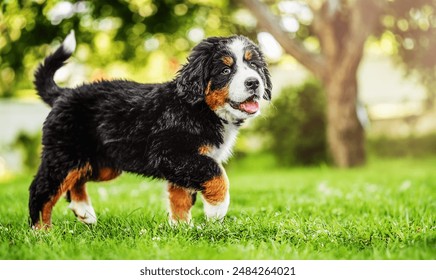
(228, 74)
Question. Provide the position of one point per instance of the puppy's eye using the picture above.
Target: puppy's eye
(226, 71)
(253, 65)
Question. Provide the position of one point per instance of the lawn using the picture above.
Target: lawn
(385, 210)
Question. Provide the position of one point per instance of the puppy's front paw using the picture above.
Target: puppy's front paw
(216, 197)
(217, 210)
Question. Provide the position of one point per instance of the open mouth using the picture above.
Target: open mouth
(249, 106)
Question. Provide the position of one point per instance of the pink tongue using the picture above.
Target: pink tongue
(249, 107)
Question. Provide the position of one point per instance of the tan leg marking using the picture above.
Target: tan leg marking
(79, 193)
(180, 203)
(81, 204)
(216, 197)
(107, 174)
(215, 190)
(73, 178)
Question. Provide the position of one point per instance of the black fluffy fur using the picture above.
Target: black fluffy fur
(154, 130)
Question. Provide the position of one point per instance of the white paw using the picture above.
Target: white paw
(83, 211)
(217, 211)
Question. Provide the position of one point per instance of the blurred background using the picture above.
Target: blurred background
(353, 79)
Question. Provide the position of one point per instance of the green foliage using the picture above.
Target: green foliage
(107, 32)
(310, 213)
(296, 127)
(412, 27)
(30, 146)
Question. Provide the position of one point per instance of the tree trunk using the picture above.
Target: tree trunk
(345, 134)
(342, 44)
(342, 28)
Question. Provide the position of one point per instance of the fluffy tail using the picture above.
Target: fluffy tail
(44, 83)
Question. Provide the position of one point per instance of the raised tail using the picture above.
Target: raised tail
(44, 83)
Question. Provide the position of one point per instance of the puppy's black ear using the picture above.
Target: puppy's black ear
(265, 75)
(268, 84)
(192, 79)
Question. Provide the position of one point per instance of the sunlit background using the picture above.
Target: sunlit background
(148, 41)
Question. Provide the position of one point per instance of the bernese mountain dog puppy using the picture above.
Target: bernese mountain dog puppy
(180, 131)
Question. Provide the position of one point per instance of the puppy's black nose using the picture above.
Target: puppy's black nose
(252, 83)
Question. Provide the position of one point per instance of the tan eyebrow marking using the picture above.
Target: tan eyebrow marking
(228, 60)
(248, 55)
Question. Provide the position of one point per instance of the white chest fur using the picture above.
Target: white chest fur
(224, 151)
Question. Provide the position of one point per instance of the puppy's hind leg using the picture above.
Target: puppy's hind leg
(43, 194)
(80, 204)
(49, 184)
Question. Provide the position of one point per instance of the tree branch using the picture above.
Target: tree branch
(364, 19)
(312, 61)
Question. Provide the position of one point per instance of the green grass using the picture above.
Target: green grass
(385, 210)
